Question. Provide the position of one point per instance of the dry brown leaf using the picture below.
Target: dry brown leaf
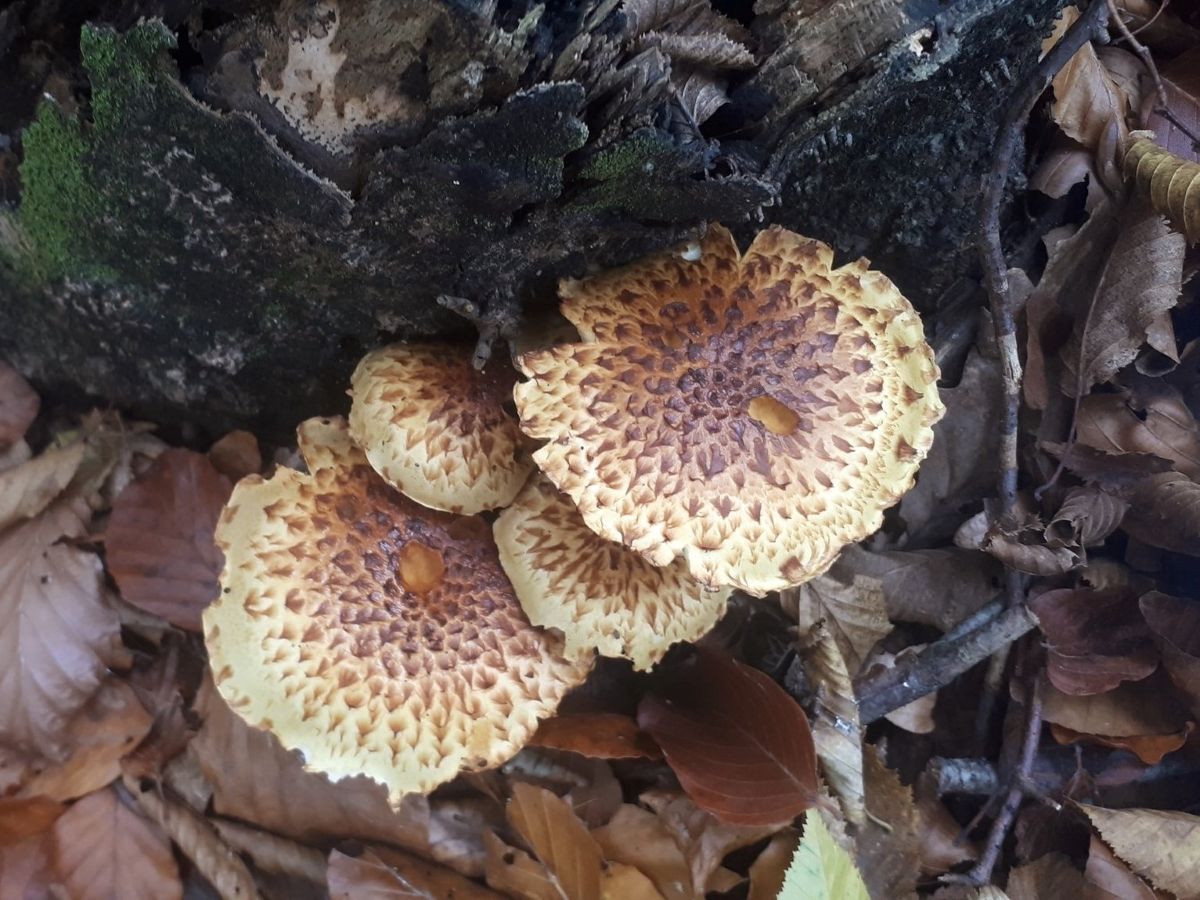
(622, 882)
(836, 732)
(29, 488)
(18, 406)
(559, 841)
(1149, 748)
(940, 848)
(599, 735)
(24, 817)
(1095, 639)
(1164, 427)
(1159, 845)
(588, 785)
(705, 840)
(956, 472)
(1086, 517)
(100, 736)
(679, 17)
(640, 838)
(768, 869)
(739, 744)
(272, 853)
(1065, 165)
(916, 717)
(402, 876)
(1182, 88)
(853, 609)
(889, 841)
(1140, 282)
(1022, 545)
(1134, 709)
(57, 636)
(106, 851)
(26, 871)
(1111, 876)
(1164, 512)
(1171, 184)
(256, 780)
(159, 540)
(1175, 620)
(1048, 876)
(517, 874)
(236, 455)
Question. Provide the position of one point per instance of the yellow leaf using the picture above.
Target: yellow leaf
(821, 870)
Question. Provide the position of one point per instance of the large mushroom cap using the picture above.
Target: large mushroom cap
(599, 594)
(371, 634)
(436, 429)
(752, 414)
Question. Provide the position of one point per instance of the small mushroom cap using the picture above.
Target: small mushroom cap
(371, 634)
(436, 428)
(599, 594)
(751, 414)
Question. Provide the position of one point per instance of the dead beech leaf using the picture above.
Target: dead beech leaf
(622, 882)
(559, 841)
(704, 839)
(517, 874)
(1086, 517)
(23, 817)
(1023, 547)
(1133, 709)
(57, 636)
(940, 848)
(159, 541)
(1149, 748)
(854, 611)
(836, 731)
(1095, 639)
(587, 785)
(1108, 874)
(25, 869)
(1048, 876)
(107, 851)
(598, 735)
(768, 870)
(639, 838)
(367, 877)
(30, 487)
(1174, 619)
(1111, 471)
(18, 406)
(1164, 511)
(236, 455)
(739, 744)
(1161, 846)
(1164, 427)
(889, 841)
(100, 735)
(1140, 282)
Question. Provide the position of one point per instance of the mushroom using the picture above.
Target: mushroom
(436, 429)
(373, 635)
(599, 594)
(749, 413)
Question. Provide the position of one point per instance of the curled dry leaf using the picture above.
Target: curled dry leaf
(821, 870)
(103, 850)
(159, 541)
(1023, 546)
(1164, 427)
(1095, 638)
(236, 455)
(1086, 517)
(1149, 748)
(18, 406)
(739, 744)
(598, 735)
(368, 876)
(1164, 512)
(29, 488)
(1161, 846)
(24, 817)
(57, 636)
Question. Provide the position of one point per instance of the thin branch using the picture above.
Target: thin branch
(1140, 49)
(939, 664)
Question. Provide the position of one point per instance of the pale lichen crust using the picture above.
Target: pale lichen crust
(374, 636)
(436, 428)
(599, 594)
(749, 413)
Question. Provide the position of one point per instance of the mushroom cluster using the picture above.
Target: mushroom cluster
(722, 421)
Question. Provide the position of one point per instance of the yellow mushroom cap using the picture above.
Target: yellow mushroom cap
(436, 429)
(749, 413)
(371, 634)
(599, 594)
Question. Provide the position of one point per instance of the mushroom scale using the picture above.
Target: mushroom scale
(436, 429)
(750, 413)
(371, 634)
(599, 594)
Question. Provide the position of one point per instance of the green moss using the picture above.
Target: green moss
(122, 66)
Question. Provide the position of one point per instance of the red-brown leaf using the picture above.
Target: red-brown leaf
(1174, 619)
(18, 406)
(1096, 638)
(23, 817)
(598, 735)
(740, 746)
(159, 540)
(367, 877)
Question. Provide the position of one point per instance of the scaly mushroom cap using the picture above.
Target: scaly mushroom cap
(373, 635)
(752, 414)
(436, 429)
(599, 594)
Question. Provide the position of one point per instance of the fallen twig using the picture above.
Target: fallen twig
(939, 664)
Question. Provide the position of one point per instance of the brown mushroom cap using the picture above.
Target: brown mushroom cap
(599, 594)
(752, 414)
(436, 429)
(373, 635)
